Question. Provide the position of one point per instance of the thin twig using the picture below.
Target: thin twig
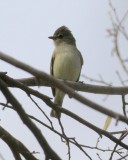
(41, 110)
(99, 156)
(49, 152)
(120, 78)
(72, 140)
(66, 138)
(101, 81)
(123, 135)
(114, 32)
(124, 105)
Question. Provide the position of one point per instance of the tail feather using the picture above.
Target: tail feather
(55, 114)
(58, 101)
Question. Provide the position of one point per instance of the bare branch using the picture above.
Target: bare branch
(114, 32)
(49, 153)
(101, 80)
(123, 135)
(15, 145)
(124, 105)
(79, 86)
(60, 85)
(41, 111)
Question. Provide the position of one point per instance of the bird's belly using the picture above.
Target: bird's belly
(67, 67)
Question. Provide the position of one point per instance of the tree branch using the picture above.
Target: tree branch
(79, 86)
(64, 87)
(114, 32)
(15, 145)
(49, 153)
(82, 121)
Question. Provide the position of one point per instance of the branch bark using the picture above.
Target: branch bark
(65, 111)
(49, 153)
(79, 86)
(15, 145)
(56, 83)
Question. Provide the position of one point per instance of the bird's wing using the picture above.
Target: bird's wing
(51, 71)
(82, 62)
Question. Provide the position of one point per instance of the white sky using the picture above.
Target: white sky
(24, 28)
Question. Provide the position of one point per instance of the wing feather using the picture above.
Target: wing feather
(51, 71)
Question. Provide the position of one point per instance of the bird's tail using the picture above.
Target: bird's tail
(59, 96)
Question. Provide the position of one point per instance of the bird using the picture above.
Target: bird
(66, 63)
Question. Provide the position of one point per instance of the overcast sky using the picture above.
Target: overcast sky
(24, 29)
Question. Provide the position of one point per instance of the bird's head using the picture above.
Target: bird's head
(63, 35)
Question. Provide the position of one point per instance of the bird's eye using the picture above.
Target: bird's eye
(60, 36)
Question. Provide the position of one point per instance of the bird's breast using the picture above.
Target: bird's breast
(67, 64)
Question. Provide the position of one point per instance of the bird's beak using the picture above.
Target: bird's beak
(52, 37)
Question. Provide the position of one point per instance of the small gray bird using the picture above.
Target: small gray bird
(66, 62)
